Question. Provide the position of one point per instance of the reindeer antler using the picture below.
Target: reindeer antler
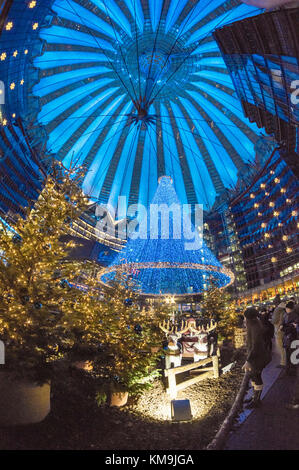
(184, 328)
(212, 325)
(167, 327)
(204, 329)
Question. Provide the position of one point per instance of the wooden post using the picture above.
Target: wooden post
(215, 366)
(172, 385)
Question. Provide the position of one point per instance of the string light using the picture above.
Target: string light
(162, 265)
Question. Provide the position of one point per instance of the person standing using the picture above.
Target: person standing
(269, 327)
(288, 328)
(258, 354)
(294, 402)
(278, 317)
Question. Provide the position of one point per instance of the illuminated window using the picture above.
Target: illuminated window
(9, 26)
(12, 86)
(35, 26)
(32, 4)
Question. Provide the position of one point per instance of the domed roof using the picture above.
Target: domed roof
(136, 89)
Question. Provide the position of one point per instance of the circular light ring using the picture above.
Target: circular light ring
(130, 267)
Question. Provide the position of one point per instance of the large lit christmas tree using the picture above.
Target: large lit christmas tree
(161, 258)
(40, 304)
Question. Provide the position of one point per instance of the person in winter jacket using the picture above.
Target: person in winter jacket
(269, 327)
(277, 319)
(294, 402)
(288, 328)
(258, 354)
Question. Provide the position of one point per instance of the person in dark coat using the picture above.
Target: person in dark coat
(264, 316)
(289, 328)
(258, 354)
(294, 402)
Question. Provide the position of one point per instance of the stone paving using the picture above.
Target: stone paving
(271, 427)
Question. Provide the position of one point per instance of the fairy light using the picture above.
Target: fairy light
(9, 26)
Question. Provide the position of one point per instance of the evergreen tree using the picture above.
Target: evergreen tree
(38, 299)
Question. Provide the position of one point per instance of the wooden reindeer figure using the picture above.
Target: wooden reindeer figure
(173, 356)
(201, 347)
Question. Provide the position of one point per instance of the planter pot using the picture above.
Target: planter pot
(22, 402)
(119, 398)
(155, 349)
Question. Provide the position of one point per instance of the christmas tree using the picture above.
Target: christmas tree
(218, 305)
(124, 335)
(39, 302)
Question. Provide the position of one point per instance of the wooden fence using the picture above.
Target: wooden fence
(211, 371)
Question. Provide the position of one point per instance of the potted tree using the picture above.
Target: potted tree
(39, 302)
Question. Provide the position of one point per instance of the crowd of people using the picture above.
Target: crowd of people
(279, 323)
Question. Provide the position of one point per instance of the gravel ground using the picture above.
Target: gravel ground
(76, 422)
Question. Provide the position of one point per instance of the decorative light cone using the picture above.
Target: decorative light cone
(166, 254)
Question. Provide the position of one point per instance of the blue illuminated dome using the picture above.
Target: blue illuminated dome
(135, 89)
(165, 259)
